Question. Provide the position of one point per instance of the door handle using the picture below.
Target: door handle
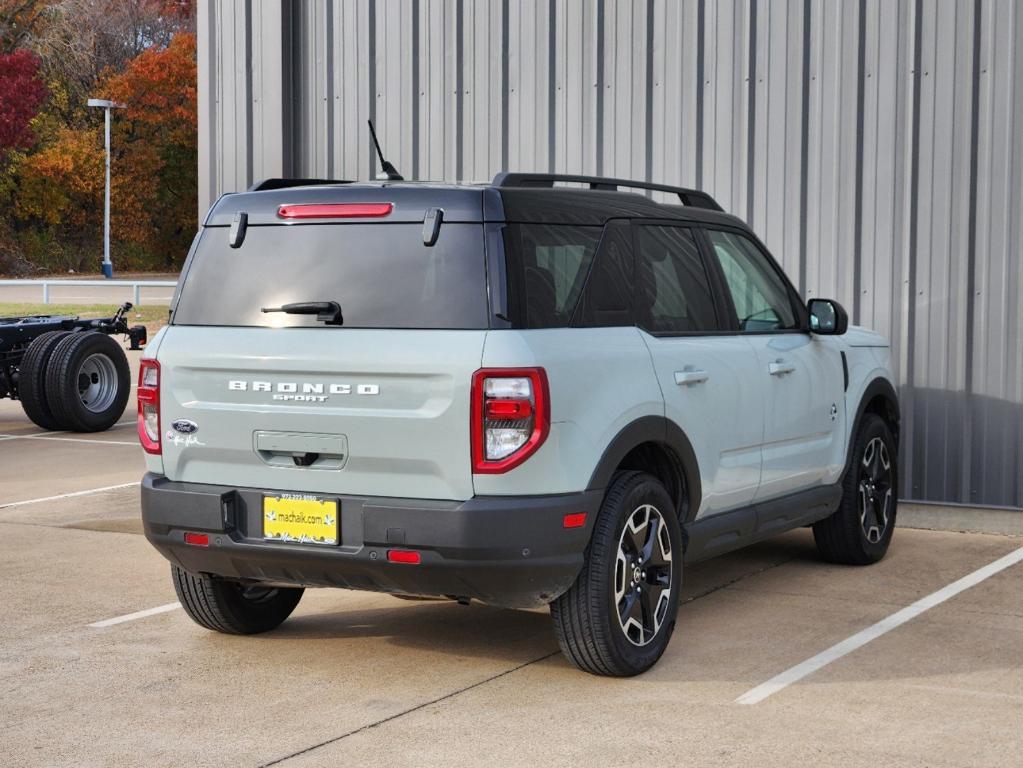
(690, 376)
(779, 367)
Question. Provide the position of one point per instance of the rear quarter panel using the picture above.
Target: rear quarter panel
(601, 379)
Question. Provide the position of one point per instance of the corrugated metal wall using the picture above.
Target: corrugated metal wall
(873, 144)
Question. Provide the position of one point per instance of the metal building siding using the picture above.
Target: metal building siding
(873, 144)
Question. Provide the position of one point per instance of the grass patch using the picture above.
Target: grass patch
(153, 317)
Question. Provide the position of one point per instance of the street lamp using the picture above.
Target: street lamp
(106, 105)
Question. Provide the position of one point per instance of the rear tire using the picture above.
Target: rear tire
(232, 608)
(88, 382)
(618, 616)
(32, 380)
(860, 530)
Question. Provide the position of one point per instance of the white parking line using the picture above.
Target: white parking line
(136, 615)
(50, 433)
(12, 504)
(897, 619)
(51, 436)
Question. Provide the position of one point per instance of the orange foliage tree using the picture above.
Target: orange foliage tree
(62, 189)
(158, 136)
(153, 169)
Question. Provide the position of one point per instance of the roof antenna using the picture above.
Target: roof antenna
(387, 171)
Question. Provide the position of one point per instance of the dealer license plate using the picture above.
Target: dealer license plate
(300, 519)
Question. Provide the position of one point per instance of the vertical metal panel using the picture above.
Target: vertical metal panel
(873, 144)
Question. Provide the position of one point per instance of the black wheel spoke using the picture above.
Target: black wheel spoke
(647, 608)
(650, 546)
(631, 608)
(634, 541)
(879, 520)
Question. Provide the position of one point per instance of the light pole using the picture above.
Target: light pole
(107, 105)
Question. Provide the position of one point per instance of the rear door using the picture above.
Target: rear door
(707, 375)
(378, 406)
(799, 375)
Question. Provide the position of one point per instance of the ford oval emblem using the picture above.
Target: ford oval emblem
(185, 427)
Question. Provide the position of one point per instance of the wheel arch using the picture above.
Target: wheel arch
(879, 397)
(657, 445)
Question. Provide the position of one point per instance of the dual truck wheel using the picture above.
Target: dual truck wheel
(74, 381)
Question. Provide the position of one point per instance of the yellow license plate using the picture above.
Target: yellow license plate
(300, 519)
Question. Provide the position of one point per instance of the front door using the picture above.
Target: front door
(799, 374)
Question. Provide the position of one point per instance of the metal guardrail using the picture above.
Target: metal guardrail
(135, 285)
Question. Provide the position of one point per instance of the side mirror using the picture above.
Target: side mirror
(827, 317)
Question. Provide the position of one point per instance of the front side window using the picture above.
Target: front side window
(761, 299)
(673, 292)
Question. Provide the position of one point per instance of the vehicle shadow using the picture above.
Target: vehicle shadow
(476, 631)
(485, 632)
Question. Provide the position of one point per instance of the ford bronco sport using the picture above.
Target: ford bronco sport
(538, 391)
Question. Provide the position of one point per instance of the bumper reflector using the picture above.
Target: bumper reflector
(197, 539)
(407, 556)
(574, 520)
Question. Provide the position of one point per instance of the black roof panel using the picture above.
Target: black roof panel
(569, 205)
(460, 203)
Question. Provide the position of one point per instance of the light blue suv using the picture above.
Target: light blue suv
(521, 392)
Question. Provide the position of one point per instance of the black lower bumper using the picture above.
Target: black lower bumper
(511, 551)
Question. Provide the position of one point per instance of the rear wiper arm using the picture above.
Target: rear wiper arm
(328, 312)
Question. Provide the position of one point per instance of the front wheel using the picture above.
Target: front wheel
(618, 616)
(233, 608)
(860, 530)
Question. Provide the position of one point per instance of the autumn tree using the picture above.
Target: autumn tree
(159, 135)
(21, 93)
(19, 19)
(139, 52)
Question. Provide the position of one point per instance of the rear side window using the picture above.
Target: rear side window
(673, 292)
(546, 268)
(381, 274)
(606, 301)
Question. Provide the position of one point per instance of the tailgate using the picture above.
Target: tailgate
(320, 410)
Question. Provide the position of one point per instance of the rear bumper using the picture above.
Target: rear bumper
(506, 551)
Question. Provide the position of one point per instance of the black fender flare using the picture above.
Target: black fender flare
(884, 388)
(653, 429)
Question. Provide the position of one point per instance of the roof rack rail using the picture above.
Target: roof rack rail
(265, 184)
(690, 197)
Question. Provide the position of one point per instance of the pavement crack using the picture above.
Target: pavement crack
(397, 715)
(737, 579)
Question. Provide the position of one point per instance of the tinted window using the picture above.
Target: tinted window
(761, 299)
(546, 267)
(381, 274)
(607, 296)
(672, 289)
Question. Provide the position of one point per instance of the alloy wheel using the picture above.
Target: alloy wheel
(643, 575)
(875, 490)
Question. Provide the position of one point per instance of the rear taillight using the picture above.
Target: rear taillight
(149, 406)
(510, 417)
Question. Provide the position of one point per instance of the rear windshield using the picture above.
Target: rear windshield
(381, 275)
